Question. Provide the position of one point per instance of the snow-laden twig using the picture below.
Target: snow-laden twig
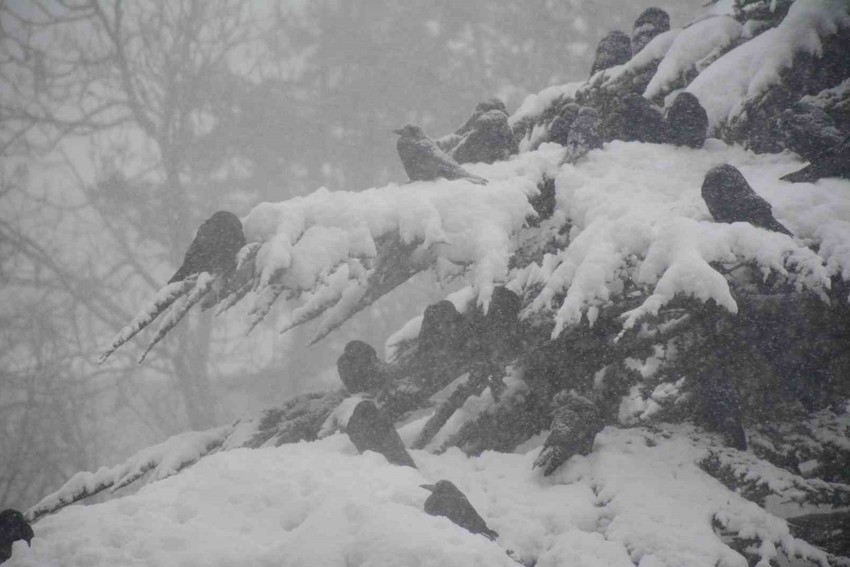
(161, 461)
(159, 303)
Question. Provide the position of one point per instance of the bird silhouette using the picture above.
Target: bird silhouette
(448, 142)
(687, 121)
(448, 501)
(808, 130)
(360, 369)
(731, 199)
(719, 409)
(488, 139)
(834, 162)
(613, 49)
(371, 430)
(423, 160)
(214, 247)
(575, 422)
(584, 135)
(650, 23)
(559, 130)
(634, 118)
(13, 527)
(443, 329)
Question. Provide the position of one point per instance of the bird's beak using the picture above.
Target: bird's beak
(399, 132)
(428, 487)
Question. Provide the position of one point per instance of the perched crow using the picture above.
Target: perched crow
(447, 500)
(13, 527)
(650, 23)
(360, 369)
(584, 135)
(634, 118)
(423, 160)
(731, 199)
(371, 430)
(834, 162)
(443, 329)
(559, 130)
(808, 130)
(687, 121)
(214, 248)
(720, 409)
(613, 49)
(575, 422)
(448, 142)
(488, 139)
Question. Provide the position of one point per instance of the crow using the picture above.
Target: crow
(371, 430)
(488, 139)
(13, 527)
(559, 130)
(448, 142)
(448, 501)
(584, 135)
(443, 329)
(634, 118)
(360, 369)
(720, 409)
(731, 199)
(214, 247)
(613, 49)
(807, 130)
(423, 160)
(650, 23)
(687, 121)
(575, 422)
(834, 162)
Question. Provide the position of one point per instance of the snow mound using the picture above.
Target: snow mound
(640, 497)
(749, 70)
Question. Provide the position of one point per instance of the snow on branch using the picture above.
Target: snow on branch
(639, 225)
(161, 461)
(749, 70)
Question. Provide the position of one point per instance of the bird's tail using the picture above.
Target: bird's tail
(800, 176)
(477, 180)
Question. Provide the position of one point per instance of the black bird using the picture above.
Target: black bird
(634, 118)
(584, 135)
(834, 162)
(719, 409)
(575, 422)
(13, 527)
(371, 430)
(687, 121)
(448, 142)
(613, 49)
(650, 23)
(360, 369)
(488, 139)
(423, 160)
(559, 130)
(214, 247)
(731, 199)
(443, 329)
(448, 501)
(808, 130)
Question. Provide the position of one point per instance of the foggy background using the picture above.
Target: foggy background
(124, 125)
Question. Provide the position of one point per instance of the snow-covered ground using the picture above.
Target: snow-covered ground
(639, 498)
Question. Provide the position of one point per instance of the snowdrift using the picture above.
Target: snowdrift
(641, 497)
